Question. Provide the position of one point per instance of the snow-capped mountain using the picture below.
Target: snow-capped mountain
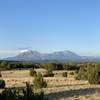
(29, 55)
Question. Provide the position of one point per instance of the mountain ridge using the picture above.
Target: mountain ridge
(30, 55)
(66, 55)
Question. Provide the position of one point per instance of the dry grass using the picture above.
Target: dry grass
(59, 88)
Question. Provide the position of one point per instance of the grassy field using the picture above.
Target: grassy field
(59, 88)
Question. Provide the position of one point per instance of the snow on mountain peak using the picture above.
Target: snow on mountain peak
(22, 51)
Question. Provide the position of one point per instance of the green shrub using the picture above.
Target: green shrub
(94, 75)
(76, 71)
(3, 95)
(71, 73)
(39, 81)
(32, 72)
(2, 84)
(82, 74)
(64, 74)
(26, 93)
(90, 72)
(3, 64)
(49, 73)
(8, 67)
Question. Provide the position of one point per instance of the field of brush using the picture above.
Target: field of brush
(59, 88)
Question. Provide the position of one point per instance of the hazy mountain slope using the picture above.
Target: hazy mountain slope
(30, 55)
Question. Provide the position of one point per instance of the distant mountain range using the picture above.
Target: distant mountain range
(29, 55)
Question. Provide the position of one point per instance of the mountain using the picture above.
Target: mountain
(29, 55)
(63, 55)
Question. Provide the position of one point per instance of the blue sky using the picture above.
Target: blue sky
(50, 25)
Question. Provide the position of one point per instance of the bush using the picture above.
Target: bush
(2, 84)
(71, 66)
(76, 71)
(49, 73)
(82, 74)
(71, 73)
(90, 72)
(3, 95)
(39, 81)
(8, 67)
(26, 93)
(0, 74)
(94, 75)
(3, 64)
(32, 72)
(64, 74)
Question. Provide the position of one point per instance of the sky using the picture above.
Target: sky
(50, 25)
